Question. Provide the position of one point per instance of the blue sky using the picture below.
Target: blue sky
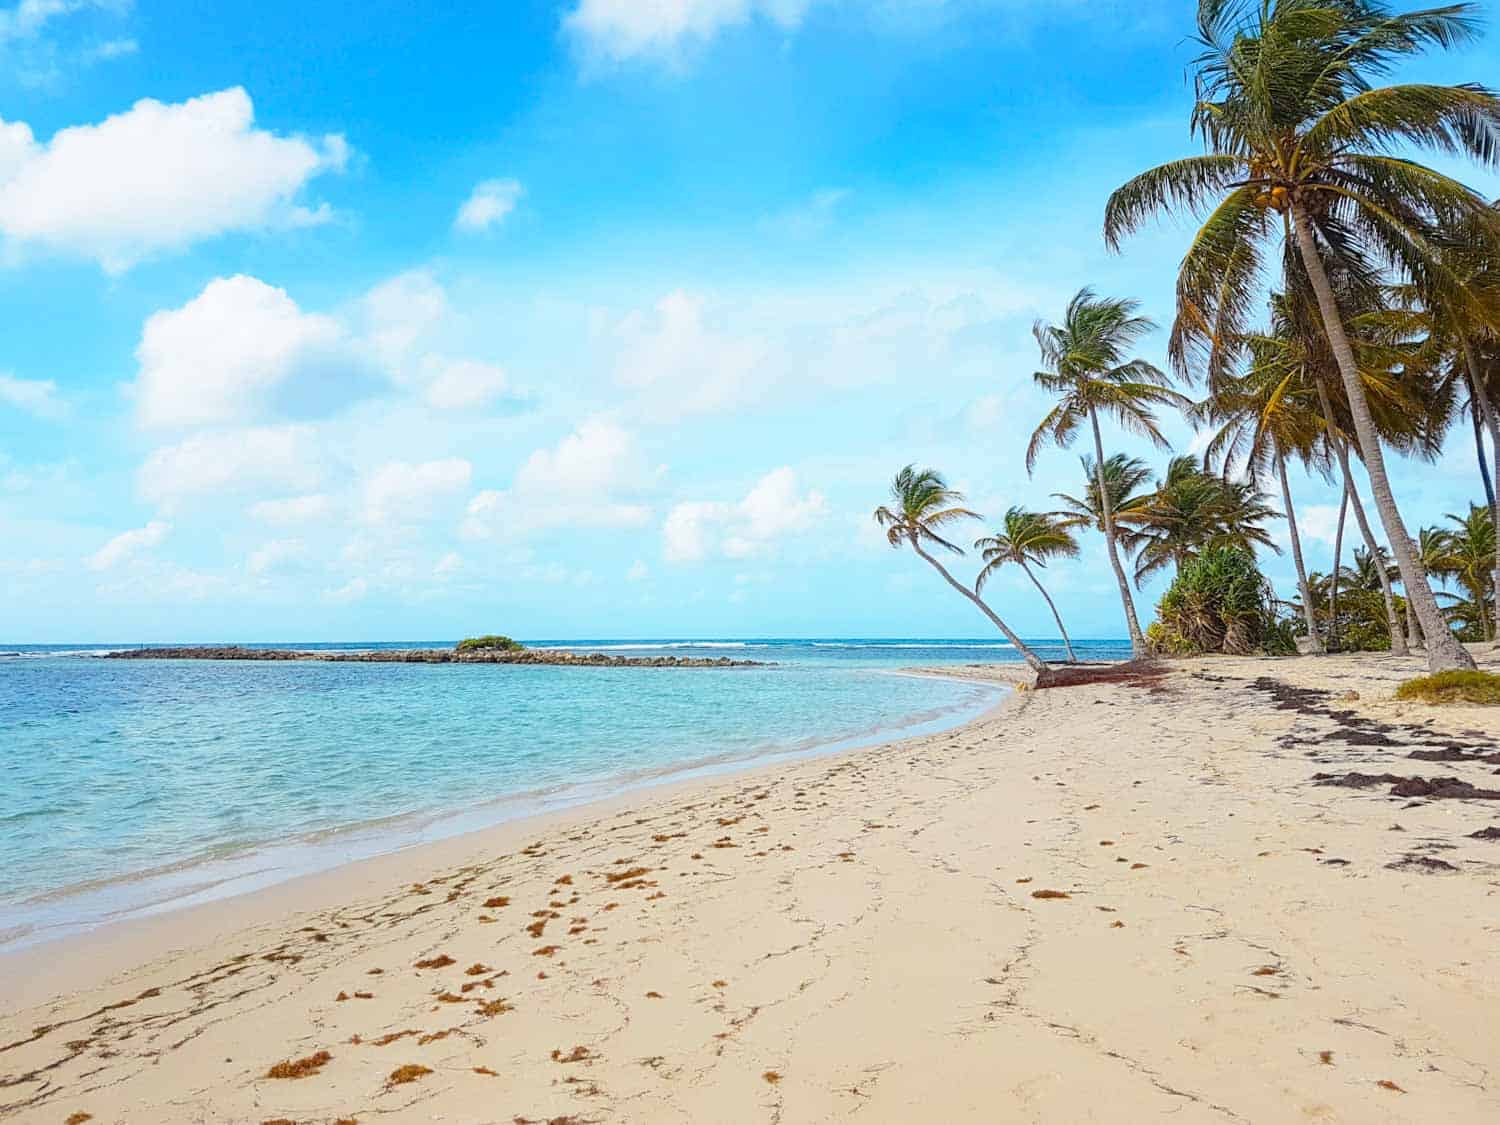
(588, 318)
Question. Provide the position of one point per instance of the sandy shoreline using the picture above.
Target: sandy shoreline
(860, 934)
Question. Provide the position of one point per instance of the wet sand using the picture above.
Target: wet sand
(1110, 902)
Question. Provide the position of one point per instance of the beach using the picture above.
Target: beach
(1110, 902)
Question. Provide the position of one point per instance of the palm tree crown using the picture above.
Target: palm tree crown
(1028, 538)
(1088, 370)
(922, 505)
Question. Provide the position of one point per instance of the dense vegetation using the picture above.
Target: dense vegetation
(488, 642)
(1219, 602)
(1381, 333)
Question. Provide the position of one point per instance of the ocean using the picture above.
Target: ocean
(133, 787)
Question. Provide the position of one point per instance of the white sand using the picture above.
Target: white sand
(858, 937)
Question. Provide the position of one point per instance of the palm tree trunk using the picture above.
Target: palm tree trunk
(1443, 649)
(1035, 662)
(1486, 409)
(1484, 466)
(1067, 644)
(1291, 522)
(1392, 619)
(1338, 557)
(1377, 557)
(1414, 638)
(1106, 508)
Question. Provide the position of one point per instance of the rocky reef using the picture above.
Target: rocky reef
(432, 656)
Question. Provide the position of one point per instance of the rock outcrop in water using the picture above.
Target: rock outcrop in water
(432, 656)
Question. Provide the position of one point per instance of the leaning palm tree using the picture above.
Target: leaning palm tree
(1088, 369)
(922, 506)
(1029, 539)
(1300, 143)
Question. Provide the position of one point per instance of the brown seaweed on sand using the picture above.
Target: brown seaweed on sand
(299, 1068)
(408, 1073)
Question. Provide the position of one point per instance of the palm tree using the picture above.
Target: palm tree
(1262, 416)
(1123, 479)
(1089, 371)
(1469, 557)
(1191, 512)
(1029, 539)
(923, 505)
(1298, 142)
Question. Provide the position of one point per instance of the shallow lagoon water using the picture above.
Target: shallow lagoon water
(134, 786)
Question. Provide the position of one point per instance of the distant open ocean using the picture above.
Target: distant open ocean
(135, 786)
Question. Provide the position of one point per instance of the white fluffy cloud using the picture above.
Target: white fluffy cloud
(400, 491)
(156, 178)
(589, 479)
(35, 396)
(242, 351)
(257, 459)
(770, 511)
(678, 364)
(400, 319)
(129, 543)
(624, 29)
(488, 204)
(462, 384)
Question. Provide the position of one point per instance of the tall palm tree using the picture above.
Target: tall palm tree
(1299, 142)
(1029, 539)
(922, 506)
(1088, 369)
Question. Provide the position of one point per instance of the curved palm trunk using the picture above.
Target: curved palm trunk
(1308, 616)
(1443, 649)
(1106, 507)
(1338, 558)
(1486, 410)
(1067, 644)
(1033, 661)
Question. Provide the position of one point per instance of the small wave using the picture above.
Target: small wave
(913, 644)
(649, 646)
(35, 654)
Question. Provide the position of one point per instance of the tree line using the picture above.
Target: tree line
(1340, 300)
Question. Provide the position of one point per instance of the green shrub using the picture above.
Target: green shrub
(1219, 602)
(1463, 686)
(489, 641)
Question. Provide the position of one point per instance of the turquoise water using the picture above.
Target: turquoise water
(134, 785)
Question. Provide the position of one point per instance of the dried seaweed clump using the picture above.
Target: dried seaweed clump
(577, 1054)
(1050, 894)
(408, 1073)
(772, 1077)
(300, 1068)
(78, 1118)
(441, 961)
(628, 873)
